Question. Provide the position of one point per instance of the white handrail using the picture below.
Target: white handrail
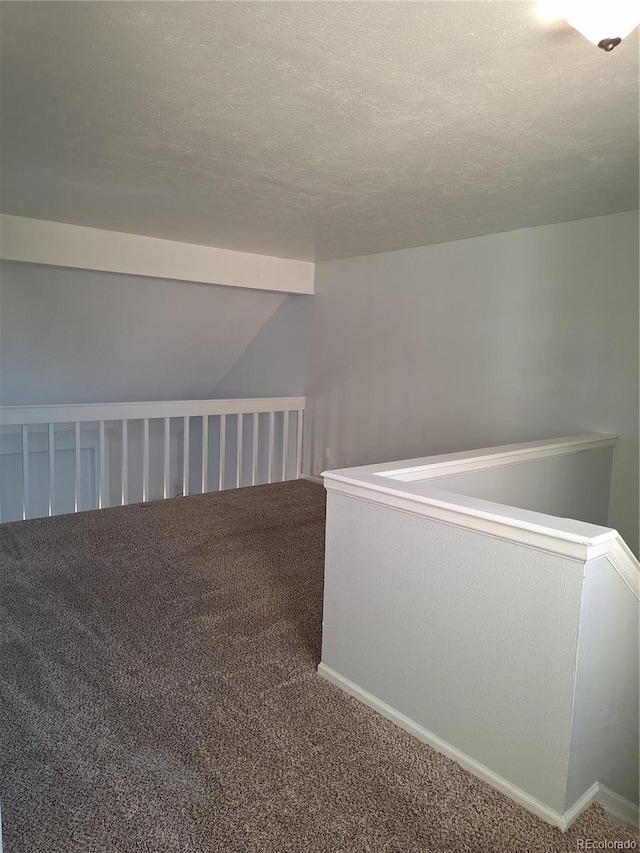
(67, 412)
(414, 486)
(416, 470)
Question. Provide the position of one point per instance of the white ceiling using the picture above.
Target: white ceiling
(312, 130)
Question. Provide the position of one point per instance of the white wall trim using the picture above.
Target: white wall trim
(618, 808)
(312, 479)
(580, 805)
(560, 820)
(38, 241)
(409, 489)
(557, 541)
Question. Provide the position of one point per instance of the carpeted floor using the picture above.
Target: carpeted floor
(158, 693)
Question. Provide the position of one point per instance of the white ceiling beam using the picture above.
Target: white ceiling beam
(37, 241)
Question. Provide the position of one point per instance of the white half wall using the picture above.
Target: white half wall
(472, 638)
(512, 337)
(80, 336)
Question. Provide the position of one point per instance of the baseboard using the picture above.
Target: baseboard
(621, 810)
(312, 479)
(536, 807)
(580, 805)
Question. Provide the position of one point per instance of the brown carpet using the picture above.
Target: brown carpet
(158, 693)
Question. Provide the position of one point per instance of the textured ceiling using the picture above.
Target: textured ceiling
(309, 129)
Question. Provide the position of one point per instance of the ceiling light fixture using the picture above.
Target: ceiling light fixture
(603, 22)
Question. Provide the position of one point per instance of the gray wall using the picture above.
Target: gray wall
(69, 335)
(519, 336)
(512, 337)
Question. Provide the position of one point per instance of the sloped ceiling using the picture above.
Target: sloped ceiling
(312, 130)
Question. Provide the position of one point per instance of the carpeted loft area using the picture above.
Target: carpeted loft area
(158, 693)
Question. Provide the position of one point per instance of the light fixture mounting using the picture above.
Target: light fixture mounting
(609, 44)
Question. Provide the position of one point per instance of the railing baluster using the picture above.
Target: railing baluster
(285, 443)
(125, 462)
(239, 452)
(254, 449)
(78, 466)
(223, 450)
(205, 453)
(262, 416)
(270, 443)
(52, 468)
(166, 457)
(26, 498)
(145, 459)
(104, 497)
(185, 457)
(299, 446)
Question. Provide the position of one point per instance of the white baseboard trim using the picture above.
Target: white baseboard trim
(580, 805)
(560, 820)
(618, 809)
(312, 479)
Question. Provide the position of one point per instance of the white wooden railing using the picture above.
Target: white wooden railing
(65, 458)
